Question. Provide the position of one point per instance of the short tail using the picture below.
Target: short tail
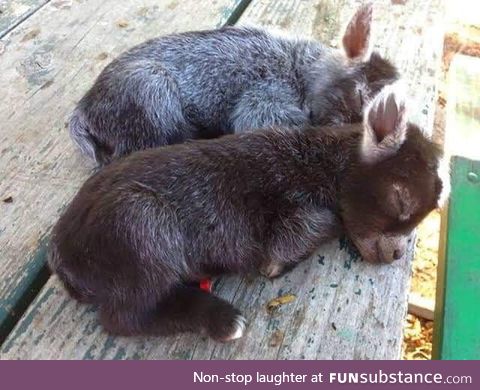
(82, 136)
(185, 309)
(74, 288)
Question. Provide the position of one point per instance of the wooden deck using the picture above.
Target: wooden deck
(50, 53)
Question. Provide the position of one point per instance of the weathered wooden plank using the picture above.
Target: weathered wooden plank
(420, 306)
(14, 12)
(457, 314)
(339, 313)
(410, 34)
(462, 135)
(47, 64)
(344, 308)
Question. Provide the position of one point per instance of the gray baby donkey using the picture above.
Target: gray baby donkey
(210, 83)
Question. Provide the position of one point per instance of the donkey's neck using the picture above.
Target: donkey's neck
(329, 155)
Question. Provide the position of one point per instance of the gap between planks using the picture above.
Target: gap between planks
(414, 68)
(30, 285)
(16, 21)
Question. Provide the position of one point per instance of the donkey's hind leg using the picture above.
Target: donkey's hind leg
(184, 309)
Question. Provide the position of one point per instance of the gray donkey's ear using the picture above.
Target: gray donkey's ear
(385, 124)
(356, 39)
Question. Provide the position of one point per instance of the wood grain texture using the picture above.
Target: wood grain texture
(410, 34)
(344, 308)
(14, 12)
(47, 64)
(420, 306)
(462, 136)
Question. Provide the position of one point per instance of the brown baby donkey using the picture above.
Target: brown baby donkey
(140, 230)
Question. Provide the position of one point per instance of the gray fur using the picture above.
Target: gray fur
(210, 83)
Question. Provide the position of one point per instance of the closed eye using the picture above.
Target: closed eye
(360, 96)
(404, 215)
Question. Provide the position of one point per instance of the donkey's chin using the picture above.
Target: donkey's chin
(371, 257)
(375, 257)
(368, 249)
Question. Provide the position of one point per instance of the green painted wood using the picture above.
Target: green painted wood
(16, 301)
(457, 315)
(46, 64)
(344, 308)
(458, 312)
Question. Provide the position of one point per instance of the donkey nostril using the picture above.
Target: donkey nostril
(397, 254)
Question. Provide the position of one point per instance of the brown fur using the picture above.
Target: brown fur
(142, 228)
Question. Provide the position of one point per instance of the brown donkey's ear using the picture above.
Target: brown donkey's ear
(385, 124)
(356, 40)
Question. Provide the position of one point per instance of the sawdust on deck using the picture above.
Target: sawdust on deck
(462, 36)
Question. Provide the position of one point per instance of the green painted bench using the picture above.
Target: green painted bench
(343, 308)
(457, 315)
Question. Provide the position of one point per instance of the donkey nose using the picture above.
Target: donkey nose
(397, 254)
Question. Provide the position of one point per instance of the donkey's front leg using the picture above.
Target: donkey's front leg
(296, 237)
